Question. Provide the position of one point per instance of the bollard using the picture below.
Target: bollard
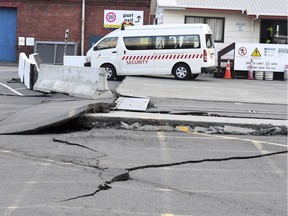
(102, 80)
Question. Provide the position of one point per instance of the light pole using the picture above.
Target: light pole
(83, 28)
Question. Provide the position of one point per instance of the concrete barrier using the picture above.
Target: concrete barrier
(35, 57)
(26, 71)
(84, 82)
(21, 65)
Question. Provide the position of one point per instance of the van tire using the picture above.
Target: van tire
(110, 71)
(181, 71)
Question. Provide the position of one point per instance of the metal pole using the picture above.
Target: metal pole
(83, 28)
(66, 40)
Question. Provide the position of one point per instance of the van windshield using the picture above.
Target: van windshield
(209, 41)
(107, 43)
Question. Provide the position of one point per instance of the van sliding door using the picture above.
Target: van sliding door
(137, 55)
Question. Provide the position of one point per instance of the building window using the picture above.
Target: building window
(216, 25)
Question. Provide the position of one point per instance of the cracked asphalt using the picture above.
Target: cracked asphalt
(127, 172)
(111, 171)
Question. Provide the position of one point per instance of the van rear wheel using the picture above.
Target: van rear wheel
(110, 71)
(181, 71)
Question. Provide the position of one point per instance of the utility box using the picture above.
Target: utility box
(52, 52)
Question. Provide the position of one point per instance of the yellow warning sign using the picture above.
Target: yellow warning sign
(256, 53)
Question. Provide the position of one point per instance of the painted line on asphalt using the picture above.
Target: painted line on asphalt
(270, 162)
(237, 138)
(14, 91)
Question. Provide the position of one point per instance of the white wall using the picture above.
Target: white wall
(249, 33)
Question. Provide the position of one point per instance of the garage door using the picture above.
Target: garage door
(8, 21)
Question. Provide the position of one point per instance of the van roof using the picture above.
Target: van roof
(166, 26)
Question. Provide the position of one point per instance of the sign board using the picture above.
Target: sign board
(265, 57)
(114, 18)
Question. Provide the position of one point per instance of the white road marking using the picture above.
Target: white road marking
(14, 91)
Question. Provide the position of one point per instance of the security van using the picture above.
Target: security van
(183, 50)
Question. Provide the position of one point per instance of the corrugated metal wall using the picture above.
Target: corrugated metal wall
(8, 40)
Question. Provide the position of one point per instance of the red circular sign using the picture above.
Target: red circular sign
(110, 17)
(242, 51)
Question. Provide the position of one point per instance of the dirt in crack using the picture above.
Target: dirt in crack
(74, 144)
(204, 160)
(105, 186)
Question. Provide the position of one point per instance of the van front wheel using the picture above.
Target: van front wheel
(181, 71)
(110, 71)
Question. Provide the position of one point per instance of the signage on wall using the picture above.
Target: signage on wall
(266, 57)
(114, 18)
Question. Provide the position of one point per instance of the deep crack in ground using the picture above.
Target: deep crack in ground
(125, 176)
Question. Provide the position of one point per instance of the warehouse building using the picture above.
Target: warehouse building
(25, 24)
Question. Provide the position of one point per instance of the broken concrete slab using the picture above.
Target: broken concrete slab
(135, 104)
(43, 116)
(114, 118)
(237, 130)
(205, 88)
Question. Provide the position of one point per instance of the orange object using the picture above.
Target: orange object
(250, 72)
(228, 70)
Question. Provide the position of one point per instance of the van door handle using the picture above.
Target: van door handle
(124, 52)
(114, 52)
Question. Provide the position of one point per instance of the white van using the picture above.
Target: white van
(184, 50)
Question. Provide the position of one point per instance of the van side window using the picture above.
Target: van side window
(190, 42)
(107, 43)
(177, 42)
(139, 43)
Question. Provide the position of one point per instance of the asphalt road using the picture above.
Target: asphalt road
(111, 171)
(171, 173)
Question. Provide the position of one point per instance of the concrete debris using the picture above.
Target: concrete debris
(201, 129)
(139, 127)
(130, 127)
(270, 131)
(237, 130)
(227, 129)
(130, 103)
